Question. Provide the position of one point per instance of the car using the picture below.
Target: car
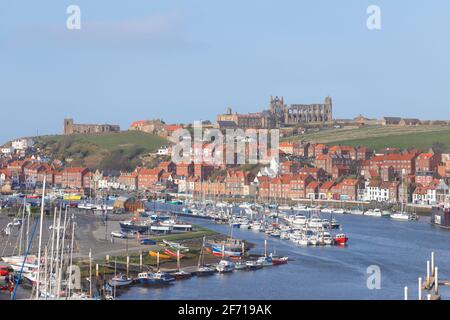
(118, 234)
(148, 242)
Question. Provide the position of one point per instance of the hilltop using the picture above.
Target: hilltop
(378, 137)
(111, 151)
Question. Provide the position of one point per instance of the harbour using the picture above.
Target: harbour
(320, 270)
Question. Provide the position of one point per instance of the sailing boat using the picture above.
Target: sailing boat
(241, 265)
(265, 260)
(203, 270)
(181, 274)
(225, 266)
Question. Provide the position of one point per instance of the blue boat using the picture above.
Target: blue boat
(155, 279)
(217, 251)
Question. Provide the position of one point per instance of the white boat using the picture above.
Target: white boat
(339, 211)
(386, 213)
(120, 281)
(299, 220)
(373, 213)
(326, 238)
(318, 223)
(264, 261)
(18, 260)
(255, 226)
(357, 212)
(401, 216)
(225, 266)
(327, 210)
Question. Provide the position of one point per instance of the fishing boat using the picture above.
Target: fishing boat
(264, 261)
(164, 277)
(279, 260)
(225, 266)
(148, 278)
(253, 265)
(120, 281)
(240, 265)
(341, 239)
(334, 224)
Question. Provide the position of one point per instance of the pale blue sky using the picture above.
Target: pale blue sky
(188, 60)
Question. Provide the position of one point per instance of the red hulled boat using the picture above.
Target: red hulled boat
(341, 239)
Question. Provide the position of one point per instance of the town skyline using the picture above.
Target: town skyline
(170, 58)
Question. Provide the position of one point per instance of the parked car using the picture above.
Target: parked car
(148, 242)
(118, 234)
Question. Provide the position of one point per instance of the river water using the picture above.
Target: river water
(399, 248)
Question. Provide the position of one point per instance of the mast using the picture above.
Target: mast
(265, 247)
(71, 258)
(58, 283)
(52, 245)
(40, 239)
(178, 260)
(57, 247)
(200, 257)
(21, 228)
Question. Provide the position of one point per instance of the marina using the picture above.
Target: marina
(307, 251)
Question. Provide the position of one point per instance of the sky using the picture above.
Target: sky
(184, 60)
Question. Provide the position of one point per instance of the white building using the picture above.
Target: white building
(376, 191)
(426, 196)
(22, 144)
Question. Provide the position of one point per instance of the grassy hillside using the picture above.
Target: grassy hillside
(383, 136)
(117, 151)
(421, 140)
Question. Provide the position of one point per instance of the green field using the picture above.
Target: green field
(377, 137)
(421, 140)
(120, 150)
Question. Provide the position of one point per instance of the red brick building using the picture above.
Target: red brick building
(73, 177)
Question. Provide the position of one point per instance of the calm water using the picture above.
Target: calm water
(400, 249)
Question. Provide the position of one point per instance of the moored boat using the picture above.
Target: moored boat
(341, 239)
(225, 266)
(120, 281)
(180, 275)
(279, 260)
